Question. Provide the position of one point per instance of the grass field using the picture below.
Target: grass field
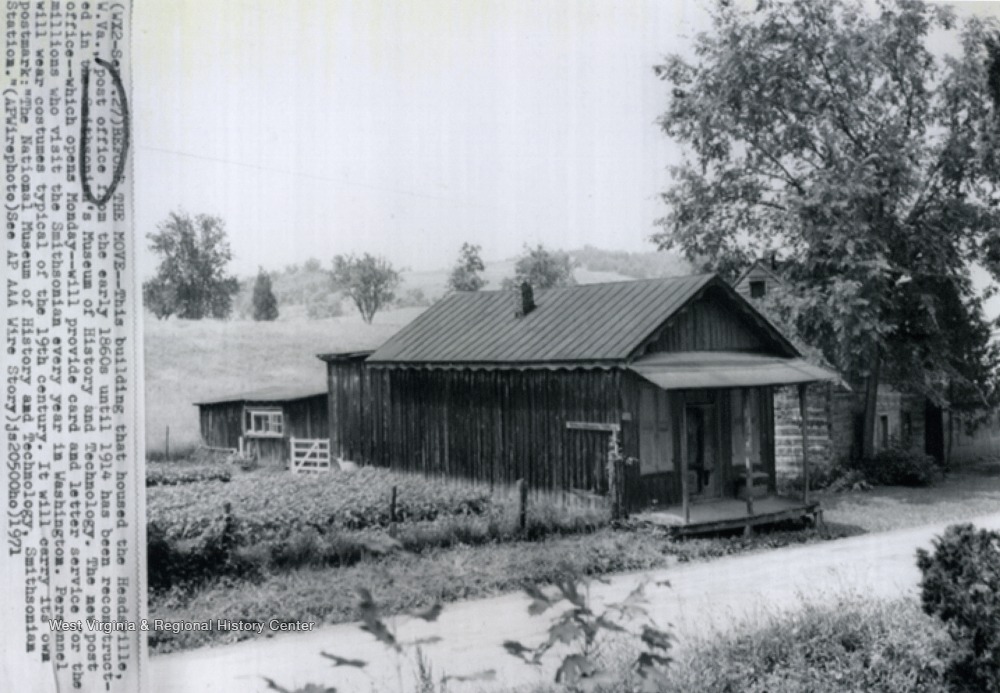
(190, 360)
(961, 496)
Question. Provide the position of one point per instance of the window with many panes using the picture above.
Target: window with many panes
(265, 422)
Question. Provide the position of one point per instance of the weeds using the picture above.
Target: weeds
(582, 633)
(850, 645)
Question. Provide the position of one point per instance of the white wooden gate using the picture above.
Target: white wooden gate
(310, 455)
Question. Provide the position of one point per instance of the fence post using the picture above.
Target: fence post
(392, 513)
(522, 494)
(613, 483)
(618, 509)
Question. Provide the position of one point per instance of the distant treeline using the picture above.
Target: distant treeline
(307, 289)
(636, 265)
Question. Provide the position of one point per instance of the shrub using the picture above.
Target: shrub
(961, 585)
(214, 553)
(897, 466)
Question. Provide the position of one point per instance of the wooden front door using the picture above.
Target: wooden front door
(702, 449)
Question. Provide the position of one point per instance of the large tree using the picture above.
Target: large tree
(465, 274)
(831, 133)
(369, 281)
(265, 303)
(191, 281)
(541, 268)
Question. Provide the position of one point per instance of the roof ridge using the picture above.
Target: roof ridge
(491, 292)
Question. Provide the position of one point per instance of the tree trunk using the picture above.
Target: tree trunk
(871, 404)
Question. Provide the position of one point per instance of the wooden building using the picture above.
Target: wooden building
(262, 423)
(759, 280)
(499, 386)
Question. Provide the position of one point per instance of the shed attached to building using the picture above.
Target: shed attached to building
(261, 423)
(497, 386)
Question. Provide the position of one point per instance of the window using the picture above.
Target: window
(265, 423)
(758, 287)
(883, 422)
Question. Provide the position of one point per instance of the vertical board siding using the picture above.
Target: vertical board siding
(707, 325)
(222, 425)
(498, 426)
(485, 425)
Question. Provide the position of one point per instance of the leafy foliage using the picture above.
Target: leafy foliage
(213, 553)
(542, 269)
(898, 465)
(830, 133)
(265, 305)
(191, 281)
(374, 622)
(271, 510)
(336, 519)
(583, 632)
(961, 586)
(369, 281)
(465, 275)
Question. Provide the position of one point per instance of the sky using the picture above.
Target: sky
(404, 128)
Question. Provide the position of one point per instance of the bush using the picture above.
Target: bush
(213, 554)
(961, 586)
(897, 466)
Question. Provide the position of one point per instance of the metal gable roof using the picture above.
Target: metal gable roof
(591, 322)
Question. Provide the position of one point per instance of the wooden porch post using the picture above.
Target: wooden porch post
(685, 501)
(804, 428)
(748, 447)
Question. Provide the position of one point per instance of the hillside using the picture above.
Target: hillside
(191, 360)
(304, 291)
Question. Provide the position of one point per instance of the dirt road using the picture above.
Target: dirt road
(702, 598)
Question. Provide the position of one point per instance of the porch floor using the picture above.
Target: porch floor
(721, 514)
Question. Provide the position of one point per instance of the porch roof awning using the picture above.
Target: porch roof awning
(716, 369)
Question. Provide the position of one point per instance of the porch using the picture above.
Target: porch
(723, 514)
(717, 442)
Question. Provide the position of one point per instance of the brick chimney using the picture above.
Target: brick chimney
(527, 303)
